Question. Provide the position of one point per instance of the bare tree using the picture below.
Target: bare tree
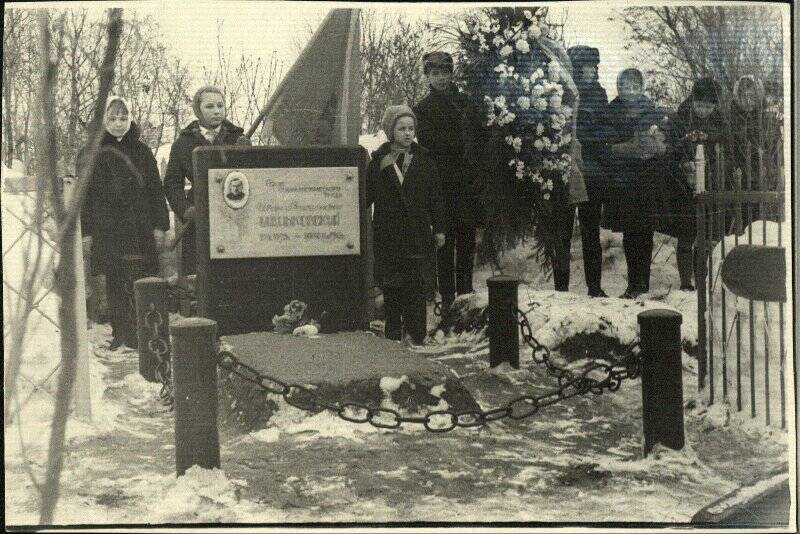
(66, 215)
(679, 44)
(18, 40)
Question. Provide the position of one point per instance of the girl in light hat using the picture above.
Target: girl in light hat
(125, 212)
(409, 222)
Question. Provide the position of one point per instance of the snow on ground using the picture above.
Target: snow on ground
(578, 460)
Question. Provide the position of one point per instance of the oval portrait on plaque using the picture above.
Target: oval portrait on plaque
(236, 190)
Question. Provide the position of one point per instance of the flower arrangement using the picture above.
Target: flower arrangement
(522, 89)
(294, 320)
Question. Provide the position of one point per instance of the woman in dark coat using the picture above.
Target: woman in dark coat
(124, 213)
(636, 156)
(754, 127)
(210, 129)
(409, 222)
(697, 121)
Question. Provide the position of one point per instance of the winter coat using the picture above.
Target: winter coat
(674, 208)
(405, 216)
(591, 131)
(180, 161)
(440, 116)
(124, 203)
(631, 180)
(759, 129)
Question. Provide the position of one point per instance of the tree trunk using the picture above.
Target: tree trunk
(67, 222)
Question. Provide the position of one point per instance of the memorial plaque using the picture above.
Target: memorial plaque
(283, 212)
(275, 224)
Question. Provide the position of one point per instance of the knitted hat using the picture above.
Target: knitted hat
(583, 55)
(437, 59)
(392, 115)
(199, 94)
(706, 90)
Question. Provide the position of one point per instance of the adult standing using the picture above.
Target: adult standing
(634, 143)
(591, 133)
(210, 129)
(124, 211)
(698, 121)
(439, 119)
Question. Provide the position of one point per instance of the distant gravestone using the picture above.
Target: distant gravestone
(276, 224)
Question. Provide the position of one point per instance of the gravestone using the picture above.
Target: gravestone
(276, 224)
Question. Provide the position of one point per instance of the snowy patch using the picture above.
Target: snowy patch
(200, 496)
(744, 494)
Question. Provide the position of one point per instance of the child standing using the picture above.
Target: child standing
(409, 222)
(125, 212)
(633, 145)
(441, 115)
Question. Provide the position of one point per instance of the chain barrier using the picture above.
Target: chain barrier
(570, 384)
(158, 346)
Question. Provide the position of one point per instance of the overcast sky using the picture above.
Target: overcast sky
(259, 27)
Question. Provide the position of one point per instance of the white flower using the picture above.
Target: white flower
(510, 118)
(535, 31)
(520, 175)
(506, 50)
(547, 142)
(554, 147)
(526, 85)
(565, 177)
(508, 33)
(528, 15)
(548, 184)
(539, 129)
(537, 91)
(566, 139)
(509, 140)
(524, 102)
(539, 73)
(538, 144)
(500, 101)
(523, 46)
(546, 196)
(555, 102)
(566, 111)
(512, 162)
(537, 178)
(483, 48)
(540, 104)
(497, 41)
(517, 144)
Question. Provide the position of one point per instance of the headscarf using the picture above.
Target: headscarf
(759, 90)
(392, 115)
(124, 102)
(199, 94)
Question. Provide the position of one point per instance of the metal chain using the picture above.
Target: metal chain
(569, 385)
(158, 346)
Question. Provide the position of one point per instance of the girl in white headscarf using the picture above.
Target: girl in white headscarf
(125, 213)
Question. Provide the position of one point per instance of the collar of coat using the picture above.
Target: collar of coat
(132, 134)
(386, 150)
(193, 129)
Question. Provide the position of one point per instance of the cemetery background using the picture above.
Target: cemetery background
(576, 461)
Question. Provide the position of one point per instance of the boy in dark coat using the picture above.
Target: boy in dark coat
(210, 129)
(409, 222)
(591, 132)
(439, 129)
(124, 211)
(633, 147)
(697, 121)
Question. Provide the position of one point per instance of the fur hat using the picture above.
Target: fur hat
(583, 55)
(198, 95)
(706, 90)
(437, 59)
(392, 115)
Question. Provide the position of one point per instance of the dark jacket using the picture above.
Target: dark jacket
(591, 130)
(180, 161)
(440, 116)
(406, 216)
(631, 180)
(757, 129)
(124, 203)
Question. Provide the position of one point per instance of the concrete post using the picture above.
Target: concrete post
(151, 313)
(662, 382)
(503, 325)
(194, 373)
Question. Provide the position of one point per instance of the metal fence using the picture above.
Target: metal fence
(742, 352)
(24, 237)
